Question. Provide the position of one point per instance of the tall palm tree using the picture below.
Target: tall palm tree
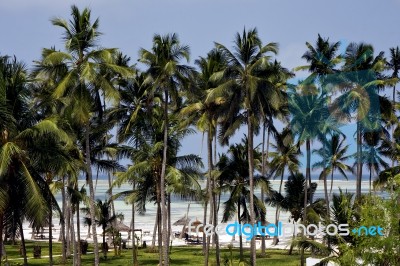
(83, 83)
(205, 115)
(169, 77)
(394, 66)
(134, 118)
(270, 111)
(284, 157)
(24, 138)
(311, 119)
(323, 59)
(360, 81)
(248, 64)
(234, 178)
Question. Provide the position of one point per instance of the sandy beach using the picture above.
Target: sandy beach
(178, 210)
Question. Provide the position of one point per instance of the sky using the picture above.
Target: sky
(25, 27)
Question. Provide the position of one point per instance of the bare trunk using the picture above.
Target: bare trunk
(326, 194)
(1, 237)
(263, 170)
(159, 236)
(207, 199)
(74, 250)
(134, 254)
(240, 235)
(23, 243)
(78, 231)
(276, 239)
(210, 187)
(110, 193)
(308, 176)
(394, 106)
(169, 222)
(62, 220)
(68, 221)
(92, 195)
(330, 192)
(162, 184)
(359, 165)
(251, 179)
(50, 233)
(370, 180)
(153, 242)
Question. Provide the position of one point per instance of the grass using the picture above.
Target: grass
(179, 256)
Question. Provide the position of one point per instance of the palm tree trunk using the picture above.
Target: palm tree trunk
(104, 243)
(370, 180)
(330, 192)
(50, 233)
(240, 235)
(214, 200)
(68, 225)
(162, 184)
(359, 165)
(62, 219)
(1, 237)
(326, 193)
(23, 243)
(210, 185)
(78, 231)
(92, 197)
(110, 193)
(134, 255)
(394, 106)
(206, 200)
(169, 222)
(276, 239)
(251, 179)
(159, 236)
(264, 158)
(306, 181)
(74, 251)
(153, 241)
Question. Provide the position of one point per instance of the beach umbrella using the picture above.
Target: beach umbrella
(183, 221)
(195, 224)
(121, 227)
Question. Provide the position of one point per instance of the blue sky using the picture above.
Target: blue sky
(25, 26)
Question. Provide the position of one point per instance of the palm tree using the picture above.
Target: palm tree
(360, 81)
(322, 58)
(293, 200)
(310, 119)
(104, 219)
(334, 156)
(394, 66)
(21, 135)
(284, 157)
(247, 69)
(234, 178)
(182, 171)
(272, 109)
(83, 81)
(371, 156)
(168, 77)
(133, 117)
(206, 116)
